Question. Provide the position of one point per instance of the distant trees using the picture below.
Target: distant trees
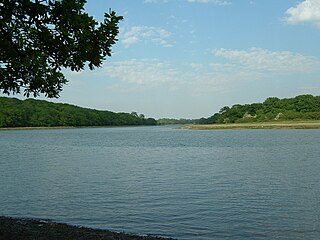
(169, 121)
(303, 107)
(37, 113)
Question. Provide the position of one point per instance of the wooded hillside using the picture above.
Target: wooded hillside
(303, 107)
(39, 113)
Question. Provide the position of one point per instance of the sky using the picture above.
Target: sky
(189, 58)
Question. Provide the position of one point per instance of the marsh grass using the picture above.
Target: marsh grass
(260, 125)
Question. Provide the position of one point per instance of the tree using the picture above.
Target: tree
(135, 114)
(224, 109)
(40, 113)
(272, 104)
(40, 37)
(141, 116)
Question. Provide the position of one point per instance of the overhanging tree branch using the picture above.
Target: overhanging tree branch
(39, 37)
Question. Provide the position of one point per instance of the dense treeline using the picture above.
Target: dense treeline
(303, 107)
(169, 121)
(39, 113)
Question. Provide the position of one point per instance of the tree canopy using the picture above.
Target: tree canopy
(40, 37)
(40, 113)
(303, 107)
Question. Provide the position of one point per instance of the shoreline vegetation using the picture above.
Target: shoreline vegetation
(258, 125)
(300, 108)
(30, 229)
(65, 127)
(301, 112)
(253, 125)
(40, 113)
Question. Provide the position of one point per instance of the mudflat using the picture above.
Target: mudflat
(259, 125)
(27, 229)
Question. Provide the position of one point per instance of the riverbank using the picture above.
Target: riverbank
(30, 229)
(263, 125)
(66, 127)
(35, 128)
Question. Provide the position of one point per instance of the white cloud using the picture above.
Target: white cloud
(191, 79)
(143, 33)
(196, 66)
(198, 78)
(142, 72)
(263, 60)
(230, 69)
(306, 11)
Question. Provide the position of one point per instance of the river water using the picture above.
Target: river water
(186, 184)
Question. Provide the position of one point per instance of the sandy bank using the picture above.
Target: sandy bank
(265, 125)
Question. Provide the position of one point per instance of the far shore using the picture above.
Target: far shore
(258, 125)
(35, 128)
(66, 127)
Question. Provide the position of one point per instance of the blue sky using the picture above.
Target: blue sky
(189, 58)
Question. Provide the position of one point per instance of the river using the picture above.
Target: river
(185, 184)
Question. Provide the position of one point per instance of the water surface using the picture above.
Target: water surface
(186, 184)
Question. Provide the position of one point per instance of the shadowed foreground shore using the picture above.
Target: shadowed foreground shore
(27, 229)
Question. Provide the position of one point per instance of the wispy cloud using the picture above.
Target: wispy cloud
(306, 11)
(142, 72)
(190, 79)
(138, 34)
(228, 68)
(263, 60)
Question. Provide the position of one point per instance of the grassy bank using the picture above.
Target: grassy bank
(30, 229)
(260, 125)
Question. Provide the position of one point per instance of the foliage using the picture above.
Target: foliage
(39, 113)
(303, 107)
(169, 121)
(40, 37)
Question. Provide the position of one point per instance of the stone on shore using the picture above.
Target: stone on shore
(31, 229)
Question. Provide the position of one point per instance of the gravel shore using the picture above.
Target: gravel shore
(32, 229)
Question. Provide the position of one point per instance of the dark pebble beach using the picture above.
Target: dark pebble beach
(27, 229)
